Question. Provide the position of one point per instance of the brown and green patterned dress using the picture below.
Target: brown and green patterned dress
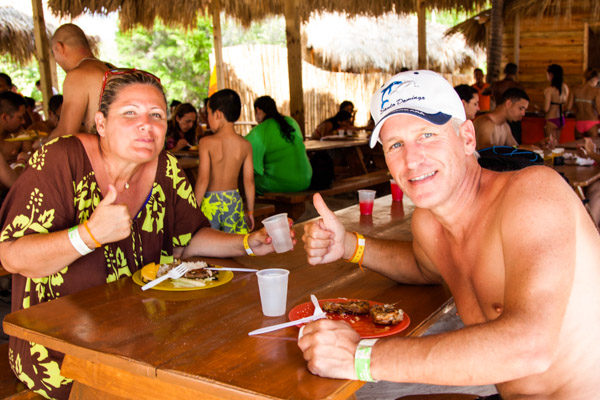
(59, 190)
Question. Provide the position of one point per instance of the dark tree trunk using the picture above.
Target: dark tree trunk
(495, 44)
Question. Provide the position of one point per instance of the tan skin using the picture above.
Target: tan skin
(492, 128)
(126, 149)
(185, 122)
(81, 88)
(585, 111)
(521, 299)
(11, 151)
(222, 155)
(551, 95)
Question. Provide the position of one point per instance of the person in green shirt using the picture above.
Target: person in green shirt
(279, 155)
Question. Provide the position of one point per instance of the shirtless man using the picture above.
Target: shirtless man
(54, 110)
(12, 118)
(517, 250)
(222, 155)
(82, 85)
(498, 88)
(584, 100)
(492, 129)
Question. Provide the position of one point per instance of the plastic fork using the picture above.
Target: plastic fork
(318, 314)
(175, 273)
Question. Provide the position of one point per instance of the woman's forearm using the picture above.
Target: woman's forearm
(39, 255)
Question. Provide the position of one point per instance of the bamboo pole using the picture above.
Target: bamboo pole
(422, 34)
(218, 43)
(42, 51)
(294, 55)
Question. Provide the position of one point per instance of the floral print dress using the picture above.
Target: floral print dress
(58, 190)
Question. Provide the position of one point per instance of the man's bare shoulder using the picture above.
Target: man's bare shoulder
(484, 124)
(533, 190)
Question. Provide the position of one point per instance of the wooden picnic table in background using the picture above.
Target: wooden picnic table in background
(579, 176)
(121, 342)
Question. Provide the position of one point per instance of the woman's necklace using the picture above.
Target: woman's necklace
(126, 186)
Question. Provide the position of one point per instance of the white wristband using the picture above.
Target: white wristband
(77, 242)
(362, 360)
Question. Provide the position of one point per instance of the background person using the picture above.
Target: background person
(555, 97)
(92, 209)
(592, 192)
(531, 310)
(182, 131)
(480, 85)
(469, 98)
(54, 110)
(278, 152)
(340, 121)
(12, 118)
(584, 100)
(83, 82)
(492, 129)
(222, 156)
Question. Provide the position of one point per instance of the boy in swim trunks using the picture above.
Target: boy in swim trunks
(222, 155)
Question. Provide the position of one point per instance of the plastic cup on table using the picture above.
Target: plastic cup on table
(279, 229)
(272, 285)
(396, 191)
(365, 200)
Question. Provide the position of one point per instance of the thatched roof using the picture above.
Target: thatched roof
(17, 35)
(17, 38)
(386, 43)
(474, 29)
(184, 12)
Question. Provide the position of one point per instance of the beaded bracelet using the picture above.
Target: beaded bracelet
(359, 251)
(247, 246)
(362, 360)
(77, 242)
(87, 228)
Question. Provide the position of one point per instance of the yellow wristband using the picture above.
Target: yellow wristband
(87, 228)
(247, 246)
(359, 251)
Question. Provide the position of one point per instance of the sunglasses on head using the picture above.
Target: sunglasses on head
(122, 71)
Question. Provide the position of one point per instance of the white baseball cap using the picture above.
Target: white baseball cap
(424, 94)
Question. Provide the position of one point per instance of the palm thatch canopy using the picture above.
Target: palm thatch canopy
(184, 12)
(386, 44)
(474, 28)
(17, 38)
(17, 35)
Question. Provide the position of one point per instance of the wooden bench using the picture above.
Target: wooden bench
(293, 203)
(262, 211)
(10, 387)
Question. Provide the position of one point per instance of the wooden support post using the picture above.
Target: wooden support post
(42, 52)
(517, 41)
(218, 43)
(294, 54)
(422, 33)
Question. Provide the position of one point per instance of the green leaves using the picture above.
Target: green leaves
(177, 57)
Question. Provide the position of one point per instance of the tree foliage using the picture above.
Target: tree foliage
(177, 57)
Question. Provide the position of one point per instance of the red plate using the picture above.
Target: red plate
(362, 324)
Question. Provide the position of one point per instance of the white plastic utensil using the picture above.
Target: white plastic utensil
(318, 314)
(315, 302)
(232, 269)
(286, 324)
(175, 273)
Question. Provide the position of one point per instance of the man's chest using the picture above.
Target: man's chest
(474, 272)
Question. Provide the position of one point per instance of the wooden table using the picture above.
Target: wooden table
(121, 342)
(579, 176)
(355, 155)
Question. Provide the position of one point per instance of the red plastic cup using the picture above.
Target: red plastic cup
(366, 200)
(396, 191)
(366, 208)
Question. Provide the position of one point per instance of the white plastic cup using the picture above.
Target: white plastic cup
(279, 229)
(366, 199)
(272, 285)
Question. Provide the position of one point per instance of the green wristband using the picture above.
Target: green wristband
(362, 360)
